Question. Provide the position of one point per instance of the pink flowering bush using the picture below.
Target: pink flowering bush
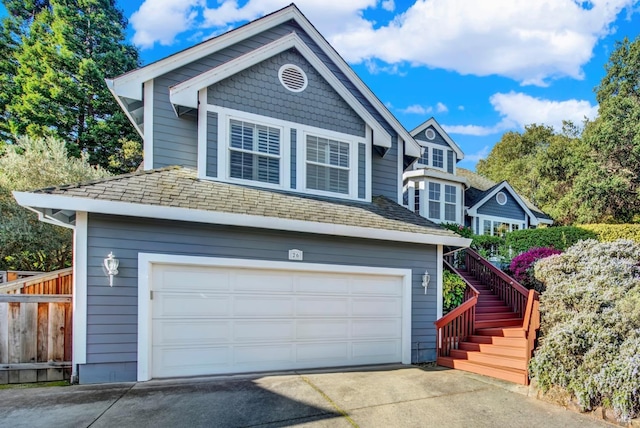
(521, 266)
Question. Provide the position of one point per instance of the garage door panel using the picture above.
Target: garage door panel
(320, 305)
(261, 354)
(377, 286)
(376, 349)
(193, 305)
(261, 330)
(263, 306)
(322, 284)
(210, 320)
(263, 281)
(322, 329)
(376, 328)
(322, 352)
(174, 332)
(195, 278)
(376, 306)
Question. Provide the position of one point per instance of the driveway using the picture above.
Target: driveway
(390, 396)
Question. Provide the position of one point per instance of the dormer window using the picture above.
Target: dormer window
(438, 158)
(327, 165)
(254, 152)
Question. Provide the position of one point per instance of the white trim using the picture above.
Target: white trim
(432, 122)
(473, 211)
(41, 200)
(440, 282)
(368, 167)
(128, 85)
(147, 260)
(504, 202)
(184, 93)
(226, 114)
(124, 107)
(80, 260)
(202, 133)
(522, 223)
(400, 169)
(148, 125)
(299, 70)
(434, 173)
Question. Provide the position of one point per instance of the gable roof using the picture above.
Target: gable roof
(175, 193)
(481, 189)
(128, 87)
(433, 122)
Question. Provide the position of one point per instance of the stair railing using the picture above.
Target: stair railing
(531, 322)
(510, 291)
(458, 324)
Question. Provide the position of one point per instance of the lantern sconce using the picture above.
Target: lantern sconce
(425, 280)
(111, 265)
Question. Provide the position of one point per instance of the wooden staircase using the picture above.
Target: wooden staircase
(493, 332)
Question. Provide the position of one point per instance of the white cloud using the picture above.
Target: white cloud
(475, 157)
(388, 5)
(461, 108)
(517, 110)
(417, 109)
(529, 41)
(441, 108)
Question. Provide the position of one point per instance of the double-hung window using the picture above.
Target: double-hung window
(327, 165)
(449, 203)
(254, 152)
(434, 201)
(438, 158)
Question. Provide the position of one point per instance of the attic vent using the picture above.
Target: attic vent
(430, 133)
(501, 198)
(293, 78)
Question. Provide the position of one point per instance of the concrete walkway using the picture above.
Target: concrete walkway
(391, 396)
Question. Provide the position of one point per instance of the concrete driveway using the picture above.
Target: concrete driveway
(390, 396)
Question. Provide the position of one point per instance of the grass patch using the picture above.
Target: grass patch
(34, 385)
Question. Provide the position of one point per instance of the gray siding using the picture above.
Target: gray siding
(258, 90)
(362, 170)
(385, 172)
(175, 138)
(438, 140)
(212, 144)
(112, 311)
(511, 209)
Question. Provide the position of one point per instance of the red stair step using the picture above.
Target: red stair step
(492, 309)
(501, 332)
(511, 322)
(508, 351)
(504, 361)
(513, 342)
(487, 316)
(512, 375)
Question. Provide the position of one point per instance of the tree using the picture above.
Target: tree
(611, 183)
(25, 242)
(66, 49)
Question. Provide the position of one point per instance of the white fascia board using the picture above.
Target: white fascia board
(431, 173)
(110, 85)
(186, 93)
(503, 186)
(80, 259)
(27, 199)
(441, 131)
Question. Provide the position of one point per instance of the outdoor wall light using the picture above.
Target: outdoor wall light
(111, 264)
(425, 280)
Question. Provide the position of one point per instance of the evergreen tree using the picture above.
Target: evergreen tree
(66, 49)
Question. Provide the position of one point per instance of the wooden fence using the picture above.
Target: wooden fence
(56, 282)
(35, 338)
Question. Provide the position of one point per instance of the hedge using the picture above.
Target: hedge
(559, 238)
(613, 232)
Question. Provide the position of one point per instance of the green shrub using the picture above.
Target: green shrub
(452, 290)
(487, 245)
(559, 238)
(464, 231)
(590, 343)
(612, 232)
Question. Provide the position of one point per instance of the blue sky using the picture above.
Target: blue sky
(480, 67)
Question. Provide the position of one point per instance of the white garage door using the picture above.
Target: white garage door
(210, 320)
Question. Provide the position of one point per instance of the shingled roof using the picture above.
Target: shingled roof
(179, 187)
(480, 186)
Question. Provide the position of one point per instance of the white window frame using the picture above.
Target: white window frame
(225, 115)
(425, 199)
(429, 148)
(522, 224)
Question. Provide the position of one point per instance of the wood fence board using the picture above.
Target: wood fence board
(29, 321)
(34, 298)
(56, 332)
(4, 333)
(43, 332)
(15, 335)
(68, 332)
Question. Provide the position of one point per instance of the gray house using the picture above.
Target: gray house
(267, 230)
(438, 190)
